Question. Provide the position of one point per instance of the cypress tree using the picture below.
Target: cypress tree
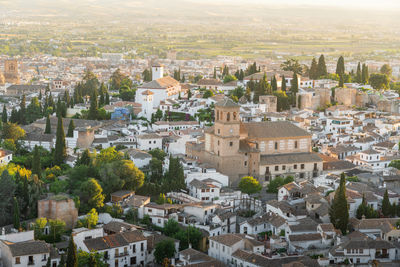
(341, 81)
(71, 128)
(36, 167)
(321, 67)
(84, 159)
(294, 88)
(22, 111)
(48, 264)
(358, 73)
(92, 260)
(386, 206)
(274, 84)
(4, 114)
(60, 152)
(107, 101)
(313, 70)
(283, 86)
(92, 115)
(48, 125)
(339, 212)
(72, 257)
(14, 118)
(62, 261)
(17, 223)
(340, 70)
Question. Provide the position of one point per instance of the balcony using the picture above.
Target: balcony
(122, 254)
(381, 256)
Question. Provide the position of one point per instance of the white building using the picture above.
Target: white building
(162, 87)
(5, 156)
(122, 249)
(33, 253)
(149, 141)
(205, 190)
(223, 246)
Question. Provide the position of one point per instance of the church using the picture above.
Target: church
(263, 150)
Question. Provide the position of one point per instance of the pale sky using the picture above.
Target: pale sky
(382, 4)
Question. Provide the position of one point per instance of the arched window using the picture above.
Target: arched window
(217, 115)
(234, 116)
(228, 116)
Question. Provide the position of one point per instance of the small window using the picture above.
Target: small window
(295, 144)
(141, 246)
(283, 167)
(17, 260)
(276, 168)
(230, 143)
(219, 131)
(245, 163)
(295, 166)
(276, 145)
(302, 166)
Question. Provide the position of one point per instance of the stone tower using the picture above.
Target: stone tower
(226, 128)
(11, 71)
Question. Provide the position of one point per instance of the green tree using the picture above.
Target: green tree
(379, 81)
(171, 227)
(60, 152)
(158, 154)
(84, 159)
(12, 131)
(91, 195)
(386, 206)
(292, 65)
(22, 111)
(283, 87)
(164, 249)
(72, 257)
(249, 185)
(4, 118)
(175, 178)
(277, 182)
(386, 69)
(93, 109)
(120, 175)
(274, 84)
(321, 70)
(340, 69)
(341, 81)
(358, 73)
(48, 125)
(48, 264)
(364, 74)
(229, 78)
(91, 218)
(339, 211)
(57, 229)
(17, 222)
(313, 70)
(208, 93)
(71, 128)
(36, 165)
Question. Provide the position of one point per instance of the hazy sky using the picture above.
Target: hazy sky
(342, 3)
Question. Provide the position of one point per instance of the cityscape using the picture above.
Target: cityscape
(199, 133)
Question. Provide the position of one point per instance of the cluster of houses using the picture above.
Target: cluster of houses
(313, 143)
